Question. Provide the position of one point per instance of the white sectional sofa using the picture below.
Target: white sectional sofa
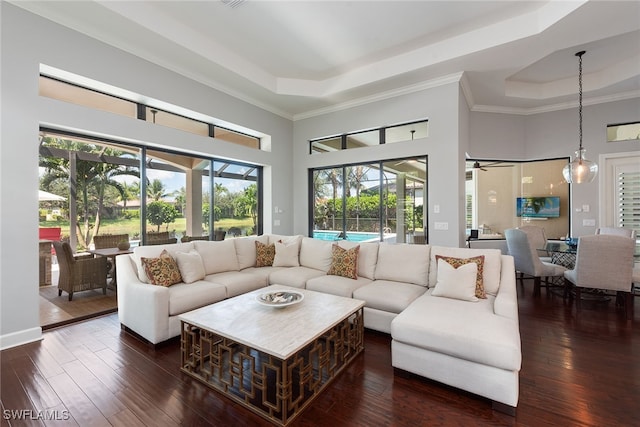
(471, 345)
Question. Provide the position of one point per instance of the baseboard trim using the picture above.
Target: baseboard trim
(15, 339)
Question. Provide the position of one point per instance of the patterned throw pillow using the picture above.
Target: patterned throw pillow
(457, 262)
(162, 271)
(344, 262)
(265, 254)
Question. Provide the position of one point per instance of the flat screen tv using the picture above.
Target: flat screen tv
(538, 207)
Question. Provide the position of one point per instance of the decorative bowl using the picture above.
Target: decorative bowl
(280, 298)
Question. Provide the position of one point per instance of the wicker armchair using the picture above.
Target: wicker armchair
(192, 238)
(160, 238)
(79, 273)
(109, 240)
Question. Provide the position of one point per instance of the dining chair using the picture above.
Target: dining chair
(527, 260)
(617, 231)
(603, 262)
(537, 240)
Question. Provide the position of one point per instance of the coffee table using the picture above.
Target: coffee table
(274, 361)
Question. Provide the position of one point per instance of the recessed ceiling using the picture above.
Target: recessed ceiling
(298, 58)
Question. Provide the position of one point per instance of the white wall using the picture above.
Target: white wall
(439, 105)
(552, 135)
(27, 41)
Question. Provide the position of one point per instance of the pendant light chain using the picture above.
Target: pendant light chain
(579, 55)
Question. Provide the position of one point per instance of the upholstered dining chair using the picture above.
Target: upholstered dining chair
(79, 273)
(604, 262)
(527, 260)
(617, 231)
(537, 240)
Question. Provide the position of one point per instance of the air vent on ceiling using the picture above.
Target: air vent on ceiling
(232, 3)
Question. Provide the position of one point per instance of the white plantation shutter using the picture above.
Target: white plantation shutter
(628, 200)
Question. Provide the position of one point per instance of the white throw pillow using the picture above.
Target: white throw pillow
(458, 283)
(286, 255)
(190, 265)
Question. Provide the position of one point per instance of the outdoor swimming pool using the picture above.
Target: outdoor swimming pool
(353, 236)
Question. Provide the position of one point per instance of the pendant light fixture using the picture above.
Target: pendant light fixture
(580, 169)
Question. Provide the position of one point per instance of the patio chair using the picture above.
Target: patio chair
(109, 240)
(79, 273)
(160, 238)
(603, 262)
(192, 238)
(527, 260)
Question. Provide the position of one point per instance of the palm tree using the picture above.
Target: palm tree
(92, 179)
(156, 190)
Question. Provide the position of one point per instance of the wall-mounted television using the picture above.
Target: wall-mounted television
(538, 207)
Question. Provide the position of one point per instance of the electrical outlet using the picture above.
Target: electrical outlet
(588, 222)
(436, 208)
(441, 225)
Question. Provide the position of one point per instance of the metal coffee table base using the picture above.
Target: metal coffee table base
(269, 386)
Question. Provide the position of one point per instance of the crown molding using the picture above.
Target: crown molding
(554, 107)
(451, 78)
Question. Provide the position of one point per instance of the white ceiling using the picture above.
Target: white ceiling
(300, 58)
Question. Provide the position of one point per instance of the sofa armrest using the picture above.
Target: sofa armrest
(506, 303)
(142, 307)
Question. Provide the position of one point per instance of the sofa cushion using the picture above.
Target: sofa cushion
(190, 266)
(265, 254)
(154, 252)
(367, 257)
(315, 253)
(163, 270)
(263, 272)
(246, 250)
(456, 282)
(337, 285)
(478, 260)
(491, 268)
(459, 329)
(186, 297)
(296, 277)
(238, 282)
(218, 256)
(388, 296)
(286, 255)
(344, 262)
(403, 263)
(285, 239)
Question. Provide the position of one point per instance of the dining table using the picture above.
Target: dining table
(562, 253)
(111, 254)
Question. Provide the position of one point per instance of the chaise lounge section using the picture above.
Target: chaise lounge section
(467, 342)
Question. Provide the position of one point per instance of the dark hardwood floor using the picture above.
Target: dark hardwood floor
(577, 370)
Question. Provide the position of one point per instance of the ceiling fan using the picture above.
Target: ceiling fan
(477, 165)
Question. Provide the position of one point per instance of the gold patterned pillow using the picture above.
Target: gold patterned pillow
(265, 254)
(344, 262)
(457, 262)
(162, 271)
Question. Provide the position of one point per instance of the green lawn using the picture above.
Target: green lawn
(132, 226)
